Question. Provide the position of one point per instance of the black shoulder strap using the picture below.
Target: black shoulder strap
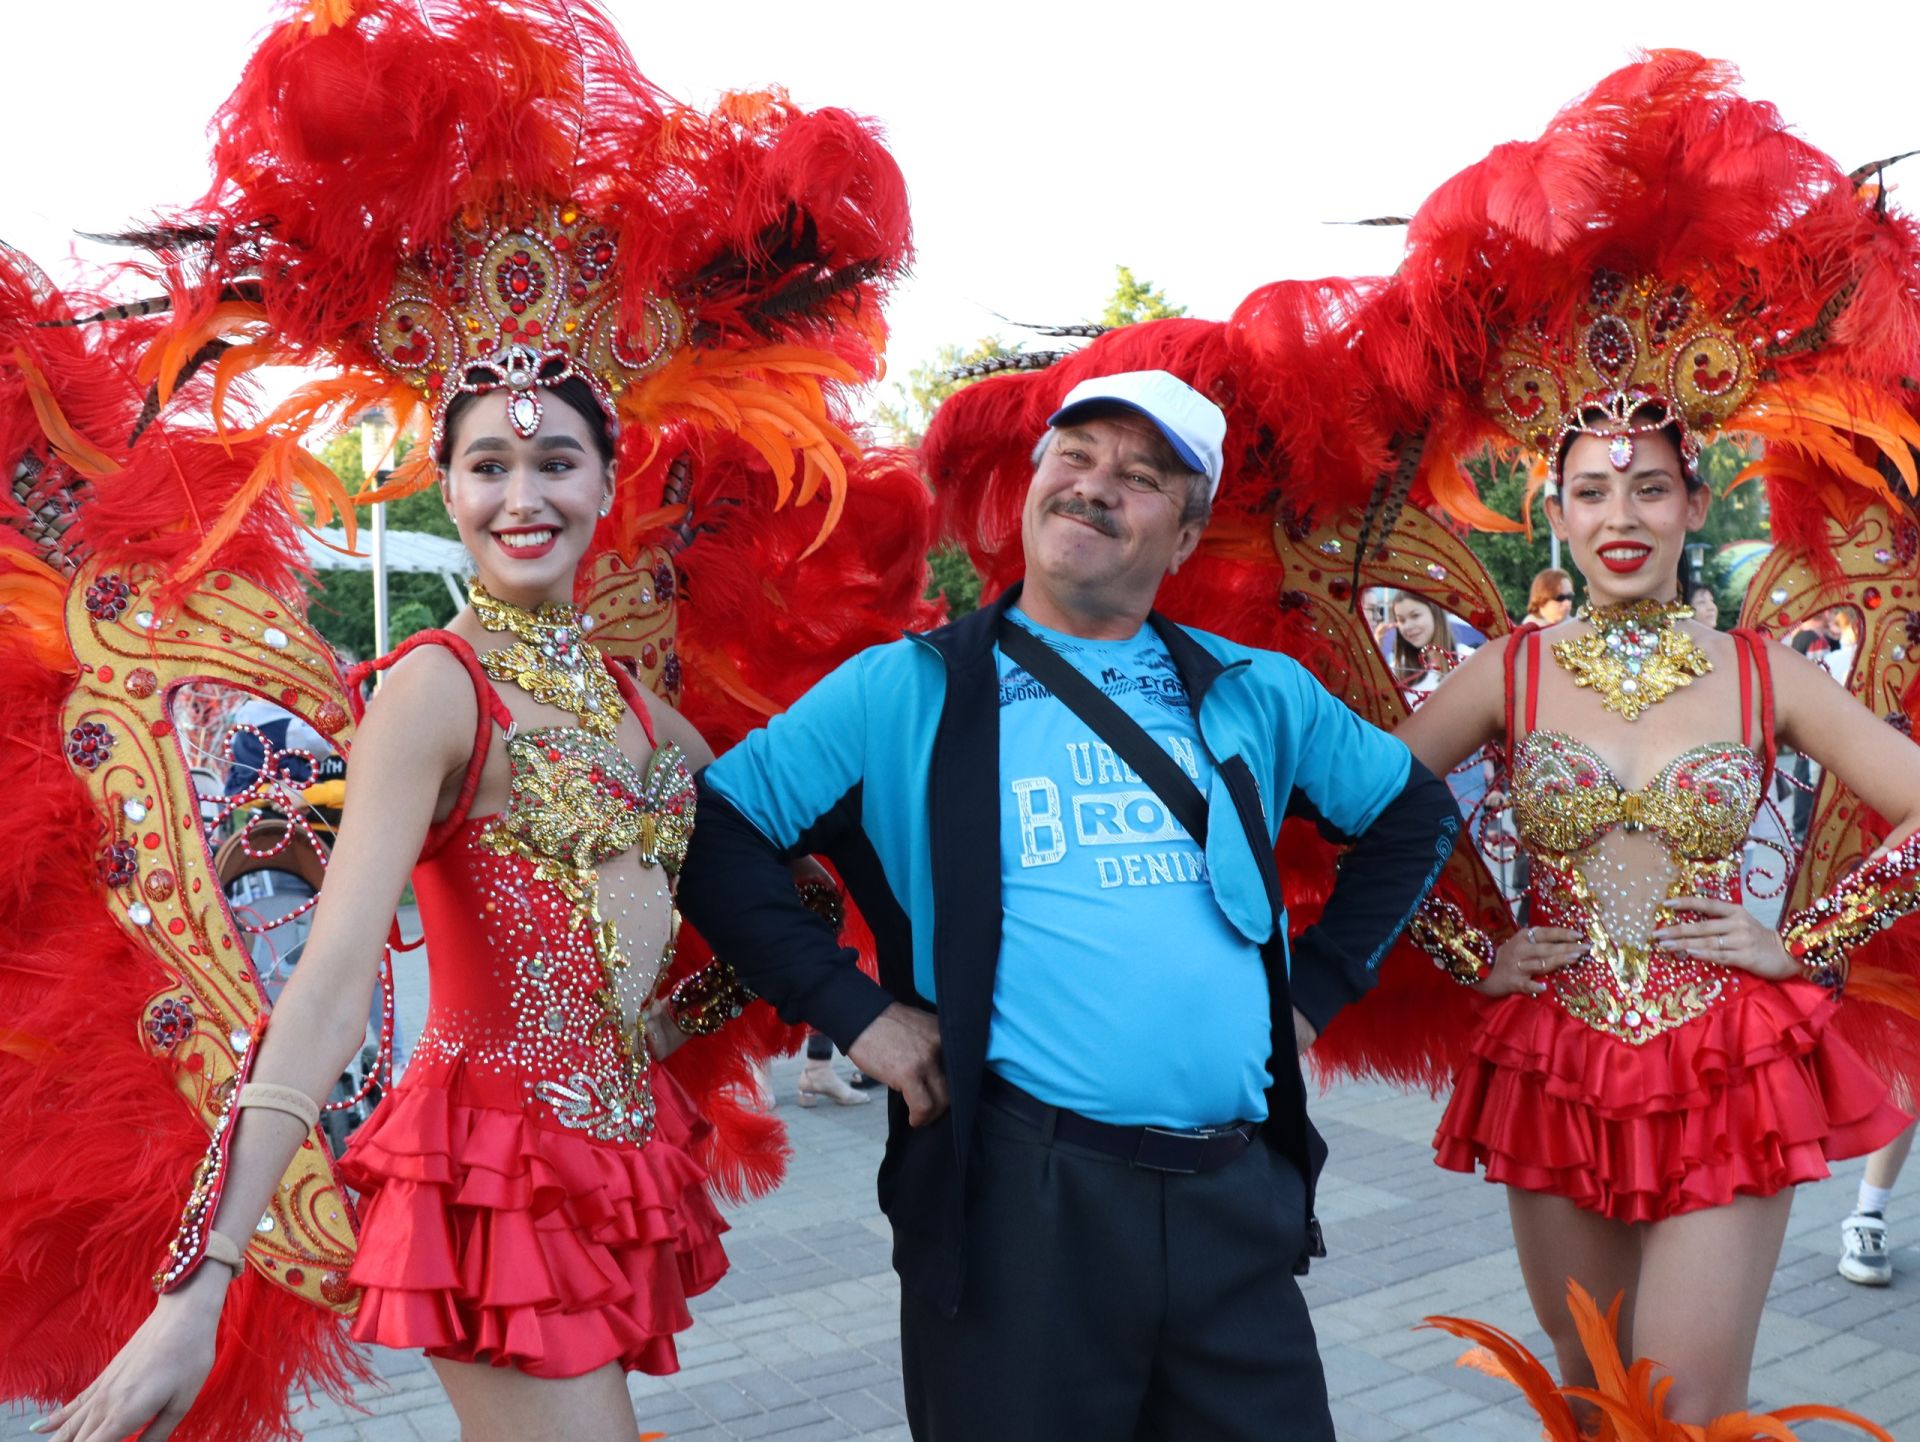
(1112, 725)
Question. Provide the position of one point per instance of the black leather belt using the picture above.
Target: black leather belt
(1157, 1149)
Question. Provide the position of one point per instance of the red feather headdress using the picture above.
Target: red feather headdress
(467, 195)
(1666, 246)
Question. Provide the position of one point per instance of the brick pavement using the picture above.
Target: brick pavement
(799, 1342)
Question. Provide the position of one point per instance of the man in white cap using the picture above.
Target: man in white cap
(1059, 814)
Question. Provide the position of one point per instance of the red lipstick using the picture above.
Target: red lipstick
(1623, 559)
(526, 553)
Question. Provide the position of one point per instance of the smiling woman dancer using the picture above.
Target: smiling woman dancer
(495, 226)
(1658, 1070)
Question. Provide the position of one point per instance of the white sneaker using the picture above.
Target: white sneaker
(1863, 1258)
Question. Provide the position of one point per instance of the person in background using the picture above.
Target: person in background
(1550, 598)
(819, 1079)
(1706, 605)
(1425, 649)
(1864, 1256)
(1424, 646)
(1845, 632)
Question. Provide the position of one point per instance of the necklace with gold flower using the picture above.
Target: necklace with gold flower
(550, 659)
(1634, 657)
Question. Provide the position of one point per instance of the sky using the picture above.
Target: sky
(1207, 146)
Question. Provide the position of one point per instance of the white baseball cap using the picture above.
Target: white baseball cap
(1193, 425)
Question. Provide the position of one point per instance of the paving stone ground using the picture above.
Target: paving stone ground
(799, 1343)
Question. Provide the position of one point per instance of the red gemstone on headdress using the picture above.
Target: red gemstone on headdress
(532, 327)
(404, 322)
(520, 281)
(577, 291)
(508, 323)
(520, 257)
(1870, 598)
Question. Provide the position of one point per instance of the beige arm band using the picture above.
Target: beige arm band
(292, 1101)
(224, 1250)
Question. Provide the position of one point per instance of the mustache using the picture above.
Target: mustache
(1092, 512)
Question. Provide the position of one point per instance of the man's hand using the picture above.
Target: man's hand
(901, 1047)
(1304, 1035)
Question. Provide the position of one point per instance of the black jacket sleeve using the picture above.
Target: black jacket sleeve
(736, 891)
(1392, 866)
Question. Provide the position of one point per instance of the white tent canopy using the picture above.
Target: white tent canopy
(403, 551)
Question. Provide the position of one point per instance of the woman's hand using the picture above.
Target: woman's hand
(664, 1036)
(1729, 934)
(1530, 953)
(156, 1376)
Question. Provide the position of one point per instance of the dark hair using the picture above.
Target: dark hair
(1671, 430)
(1407, 658)
(573, 391)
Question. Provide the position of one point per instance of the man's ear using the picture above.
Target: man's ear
(1190, 534)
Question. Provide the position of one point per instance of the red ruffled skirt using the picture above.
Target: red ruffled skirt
(1754, 1096)
(488, 1235)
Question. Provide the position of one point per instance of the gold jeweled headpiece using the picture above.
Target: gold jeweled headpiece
(522, 305)
(1637, 346)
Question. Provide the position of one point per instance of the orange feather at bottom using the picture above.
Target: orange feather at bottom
(1631, 1401)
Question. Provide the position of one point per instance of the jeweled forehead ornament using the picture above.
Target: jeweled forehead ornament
(522, 305)
(1640, 355)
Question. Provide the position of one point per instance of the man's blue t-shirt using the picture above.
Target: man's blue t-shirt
(1123, 992)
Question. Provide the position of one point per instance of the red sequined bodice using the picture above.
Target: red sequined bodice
(547, 927)
(1606, 858)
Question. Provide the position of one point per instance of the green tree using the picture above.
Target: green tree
(907, 416)
(1136, 300)
(340, 603)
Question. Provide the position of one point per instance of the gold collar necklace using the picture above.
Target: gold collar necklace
(1634, 657)
(550, 659)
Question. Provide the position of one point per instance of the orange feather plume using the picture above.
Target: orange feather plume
(1631, 1399)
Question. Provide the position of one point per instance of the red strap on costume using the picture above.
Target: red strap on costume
(635, 698)
(1510, 656)
(493, 712)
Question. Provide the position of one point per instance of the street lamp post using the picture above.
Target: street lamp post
(376, 443)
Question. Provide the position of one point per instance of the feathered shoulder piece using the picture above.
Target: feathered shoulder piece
(470, 195)
(1667, 252)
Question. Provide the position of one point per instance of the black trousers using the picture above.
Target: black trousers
(1106, 1303)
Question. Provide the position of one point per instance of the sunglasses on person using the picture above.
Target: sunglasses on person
(1566, 596)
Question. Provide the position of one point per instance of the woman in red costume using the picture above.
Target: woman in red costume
(600, 307)
(1659, 1070)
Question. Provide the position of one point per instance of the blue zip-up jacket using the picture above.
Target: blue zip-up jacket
(889, 768)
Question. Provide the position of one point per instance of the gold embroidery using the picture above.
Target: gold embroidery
(574, 801)
(550, 659)
(1460, 949)
(1565, 797)
(1634, 992)
(1865, 902)
(1698, 808)
(1634, 657)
